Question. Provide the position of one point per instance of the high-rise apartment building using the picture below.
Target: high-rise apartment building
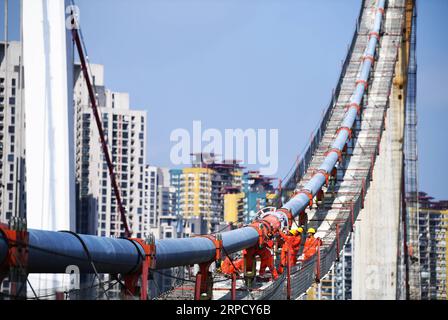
(167, 216)
(160, 202)
(151, 200)
(175, 182)
(12, 195)
(233, 207)
(433, 224)
(202, 192)
(196, 199)
(125, 133)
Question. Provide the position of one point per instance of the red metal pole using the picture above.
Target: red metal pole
(144, 287)
(92, 97)
(233, 286)
(318, 262)
(197, 287)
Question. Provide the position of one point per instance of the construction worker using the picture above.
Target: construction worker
(311, 244)
(319, 198)
(290, 247)
(332, 180)
(267, 260)
(227, 267)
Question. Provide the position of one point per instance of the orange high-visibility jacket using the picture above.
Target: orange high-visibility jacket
(291, 245)
(267, 261)
(310, 247)
(228, 268)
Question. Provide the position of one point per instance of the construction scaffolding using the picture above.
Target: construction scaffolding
(410, 223)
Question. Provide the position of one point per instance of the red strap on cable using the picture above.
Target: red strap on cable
(349, 131)
(325, 174)
(354, 105)
(307, 193)
(148, 263)
(374, 34)
(364, 82)
(339, 152)
(368, 57)
(216, 242)
(17, 255)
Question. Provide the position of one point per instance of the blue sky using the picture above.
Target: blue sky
(253, 64)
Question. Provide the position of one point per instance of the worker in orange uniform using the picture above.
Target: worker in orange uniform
(229, 267)
(290, 247)
(311, 244)
(267, 260)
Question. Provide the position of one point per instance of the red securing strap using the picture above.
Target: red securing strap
(260, 232)
(346, 129)
(307, 193)
(364, 82)
(150, 251)
(131, 280)
(354, 105)
(217, 243)
(318, 261)
(381, 10)
(339, 152)
(17, 255)
(374, 34)
(326, 175)
(369, 57)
